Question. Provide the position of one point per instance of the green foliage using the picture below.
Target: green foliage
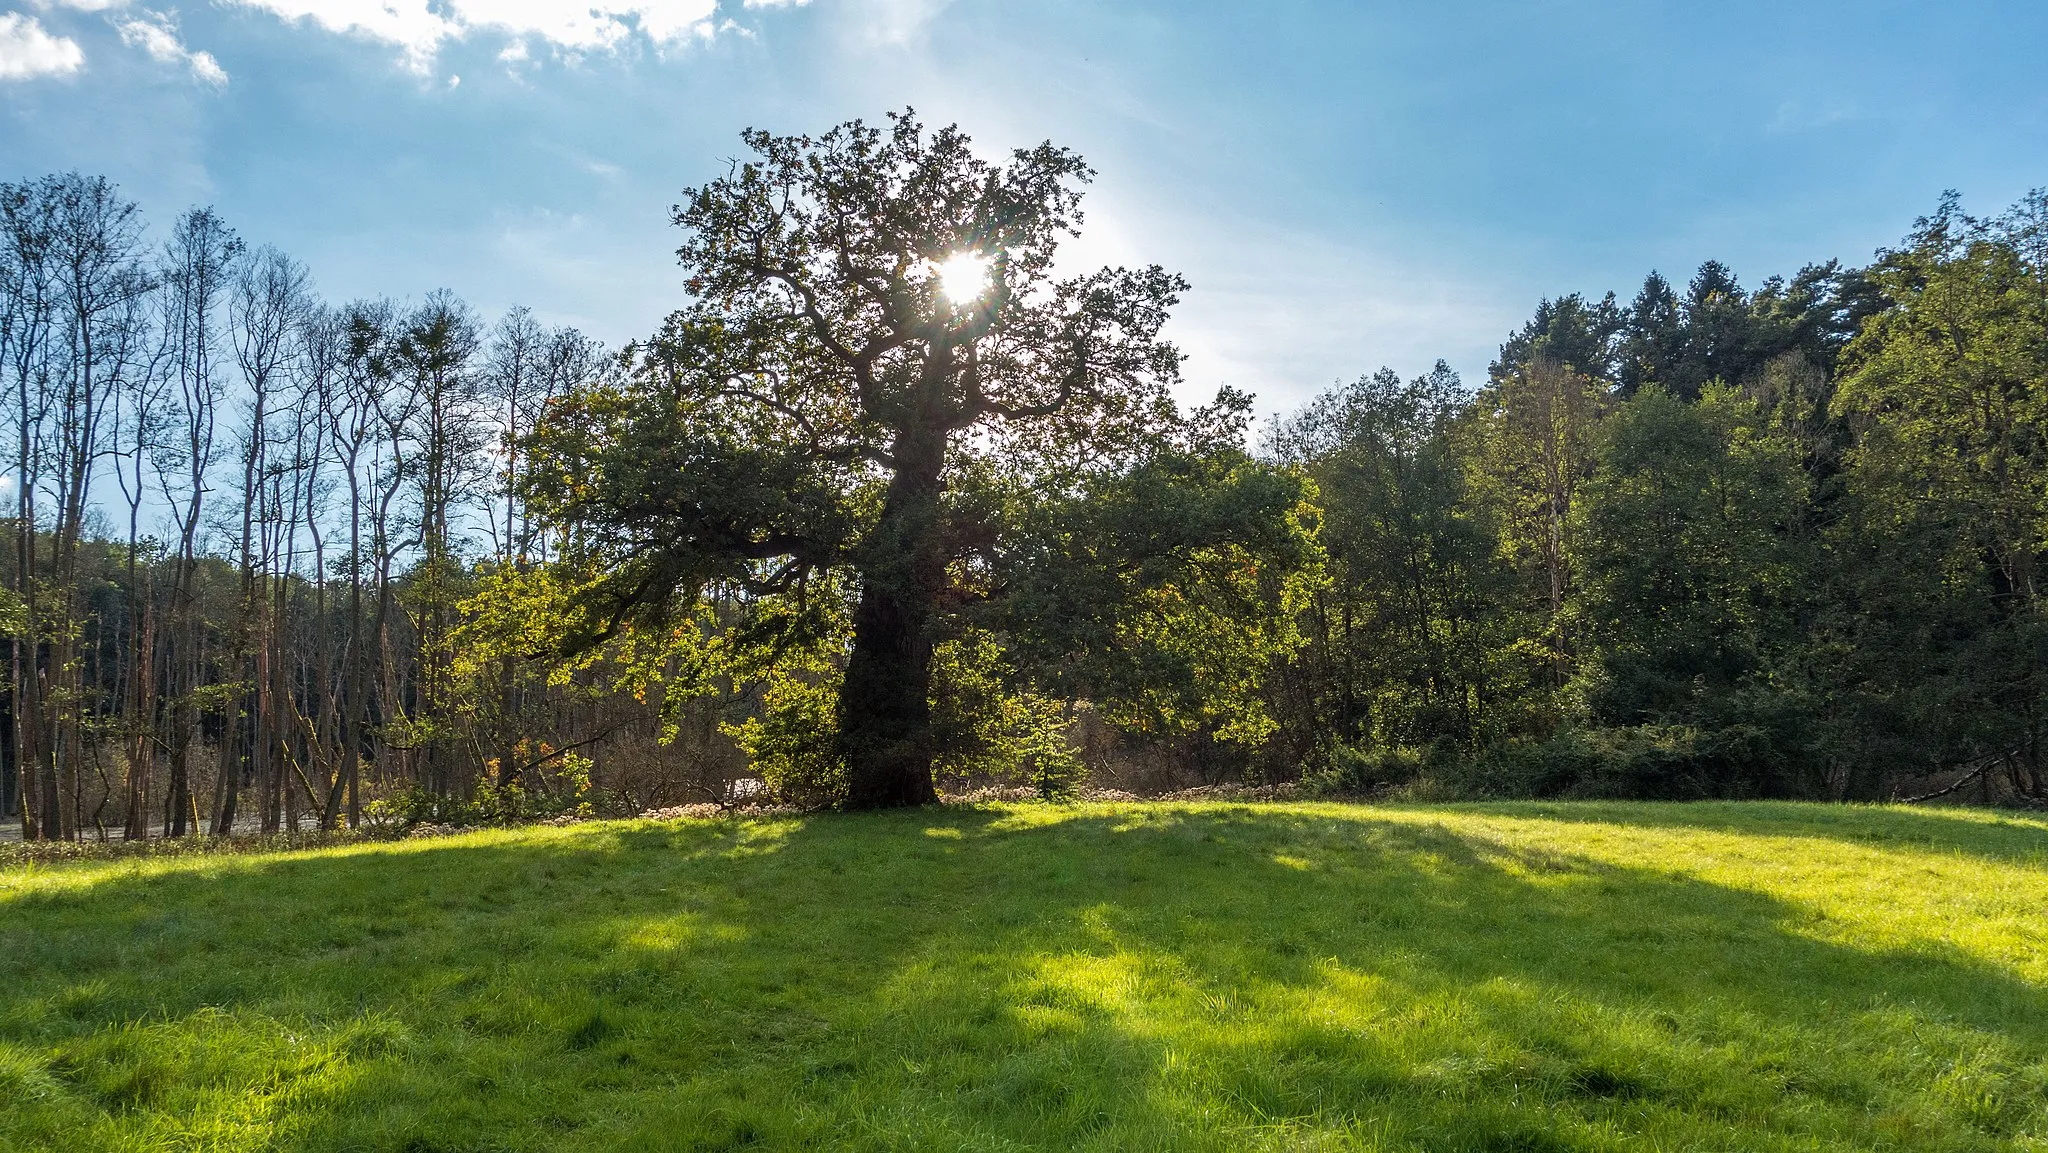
(560, 789)
(1723, 543)
(13, 613)
(1781, 542)
(790, 741)
(1694, 569)
(1714, 331)
(1663, 761)
(1764, 977)
(775, 661)
(1531, 442)
(519, 612)
(1351, 771)
(1946, 520)
(820, 419)
(1165, 594)
(987, 729)
(1406, 643)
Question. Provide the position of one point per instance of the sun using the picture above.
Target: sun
(963, 277)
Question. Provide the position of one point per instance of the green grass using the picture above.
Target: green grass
(1111, 977)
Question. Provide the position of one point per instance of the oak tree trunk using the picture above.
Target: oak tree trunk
(885, 700)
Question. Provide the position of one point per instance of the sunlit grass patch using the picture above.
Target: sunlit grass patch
(1199, 976)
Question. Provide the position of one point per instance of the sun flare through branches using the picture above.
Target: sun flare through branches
(963, 277)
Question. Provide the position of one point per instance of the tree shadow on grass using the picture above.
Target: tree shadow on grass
(1165, 978)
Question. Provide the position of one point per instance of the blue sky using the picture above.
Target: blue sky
(1346, 184)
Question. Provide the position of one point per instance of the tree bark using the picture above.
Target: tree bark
(885, 699)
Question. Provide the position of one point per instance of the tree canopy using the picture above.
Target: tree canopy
(887, 399)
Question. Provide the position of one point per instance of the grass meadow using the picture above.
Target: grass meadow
(1493, 979)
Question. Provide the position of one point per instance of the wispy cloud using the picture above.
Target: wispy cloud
(898, 21)
(420, 27)
(28, 50)
(154, 33)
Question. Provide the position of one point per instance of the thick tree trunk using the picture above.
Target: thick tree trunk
(885, 705)
(885, 700)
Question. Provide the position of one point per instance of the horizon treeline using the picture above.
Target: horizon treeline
(1708, 542)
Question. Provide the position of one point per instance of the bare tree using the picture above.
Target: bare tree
(324, 338)
(98, 287)
(141, 418)
(514, 369)
(198, 263)
(353, 417)
(437, 352)
(28, 281)
(267, 302)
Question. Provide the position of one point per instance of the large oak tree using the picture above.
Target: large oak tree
(885, 385)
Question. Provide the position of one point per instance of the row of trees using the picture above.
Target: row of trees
(897, 502)
(1722, 543)
(243, 521)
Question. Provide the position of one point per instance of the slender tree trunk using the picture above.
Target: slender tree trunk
(263, 758)
(355, 670)
(183, 669)
(227, 783)
(28, 717)
(141, 719)
(327, 727)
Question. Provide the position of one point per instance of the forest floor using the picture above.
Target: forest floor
(1529, 977)
(10, 830)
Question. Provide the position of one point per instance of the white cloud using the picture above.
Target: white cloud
(420, 27)
(206, 69)
(82, 5)
(28, 51)
(154, 33)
